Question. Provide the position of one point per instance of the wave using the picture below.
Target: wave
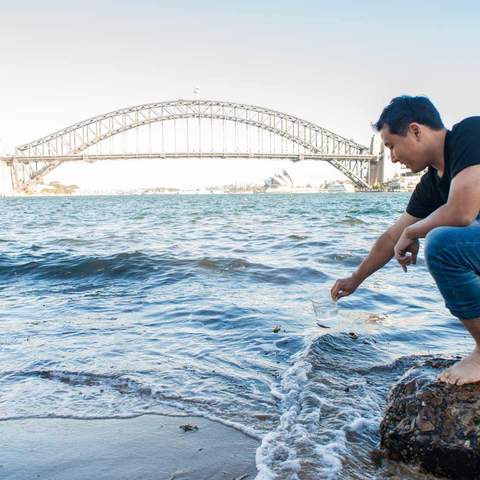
(345, 259)
(349, 220)
(139, 265)
(332, 399)
(127, 386)
(295, 236)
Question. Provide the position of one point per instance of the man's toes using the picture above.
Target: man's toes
(456, 379)
(451, 377)
(452, 380)
(444, 376)
(472, 378)
(459, 377)
(463, 381)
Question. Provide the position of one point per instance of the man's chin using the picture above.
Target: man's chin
(415, 169)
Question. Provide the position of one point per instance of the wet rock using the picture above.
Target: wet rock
(377, 456)
(262, 416)
(189, 428)
(433, 425)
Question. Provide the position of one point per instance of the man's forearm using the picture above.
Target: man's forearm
(443, 216)
(380, 254)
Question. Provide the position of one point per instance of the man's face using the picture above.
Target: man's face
(409, 150)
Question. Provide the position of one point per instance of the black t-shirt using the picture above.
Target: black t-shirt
(462, 150)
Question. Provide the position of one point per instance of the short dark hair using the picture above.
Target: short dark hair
(402, 111)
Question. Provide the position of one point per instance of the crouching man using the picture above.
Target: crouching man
(443, 209)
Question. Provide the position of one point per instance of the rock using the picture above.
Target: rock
(433, 425)
(189, 428)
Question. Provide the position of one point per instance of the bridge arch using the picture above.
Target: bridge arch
(76, 138)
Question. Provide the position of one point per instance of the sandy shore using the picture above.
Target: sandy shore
(148, 447)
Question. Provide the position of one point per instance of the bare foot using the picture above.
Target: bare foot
(466, 371)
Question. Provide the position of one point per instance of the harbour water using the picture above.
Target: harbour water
(202, 305)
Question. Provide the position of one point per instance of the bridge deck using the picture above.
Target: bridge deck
(10, 159)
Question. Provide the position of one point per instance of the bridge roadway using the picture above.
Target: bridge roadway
(11, 159)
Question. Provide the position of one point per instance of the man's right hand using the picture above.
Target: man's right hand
(344, 287)
(381, 253)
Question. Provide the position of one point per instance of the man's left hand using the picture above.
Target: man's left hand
(406, 245)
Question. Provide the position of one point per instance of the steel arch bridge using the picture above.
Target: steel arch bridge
(34, 160)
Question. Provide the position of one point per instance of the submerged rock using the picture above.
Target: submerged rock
(433, 425)
(189, 428)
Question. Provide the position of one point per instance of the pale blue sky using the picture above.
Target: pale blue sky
(334, 63)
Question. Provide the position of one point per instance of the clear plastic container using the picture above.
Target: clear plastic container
(326, 311)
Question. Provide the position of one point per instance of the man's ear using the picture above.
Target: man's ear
(415, 129)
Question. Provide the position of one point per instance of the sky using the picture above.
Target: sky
(336, 64)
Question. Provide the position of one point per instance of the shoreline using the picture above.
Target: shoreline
(200, 194)
(148, 446)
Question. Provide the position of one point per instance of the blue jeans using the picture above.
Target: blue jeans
(453, 258)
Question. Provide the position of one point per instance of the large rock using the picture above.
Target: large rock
(433, 425)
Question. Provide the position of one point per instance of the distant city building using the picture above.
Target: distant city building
(405, 181)
(341, 187)
(280, 183)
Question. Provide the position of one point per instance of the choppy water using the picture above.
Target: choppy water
(111, 306)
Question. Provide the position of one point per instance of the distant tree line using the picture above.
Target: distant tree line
(57, 188)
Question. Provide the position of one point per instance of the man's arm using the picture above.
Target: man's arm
(461, 209)
(380, 254)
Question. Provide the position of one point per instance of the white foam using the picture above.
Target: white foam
(126, 385)
(276, 449)
(330, 455)
(297, 437)
(362, 423)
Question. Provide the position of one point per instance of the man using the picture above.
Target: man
(443, 208)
